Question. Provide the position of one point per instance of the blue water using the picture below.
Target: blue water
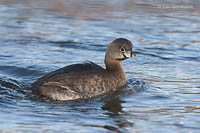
(163, 92)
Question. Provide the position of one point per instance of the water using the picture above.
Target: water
(163, 90)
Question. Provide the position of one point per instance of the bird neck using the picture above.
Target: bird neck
(115, 70)
(113, 65)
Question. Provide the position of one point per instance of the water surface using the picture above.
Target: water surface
(163, 93)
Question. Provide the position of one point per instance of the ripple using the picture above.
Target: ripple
(79, 45)
(136, 85)
(163, 81)
(11, 91)
(20, 72)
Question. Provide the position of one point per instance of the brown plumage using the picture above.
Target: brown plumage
(81, 81)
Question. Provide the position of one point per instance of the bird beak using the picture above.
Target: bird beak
(129, 54)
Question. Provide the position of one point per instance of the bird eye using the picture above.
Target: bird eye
(122, 49)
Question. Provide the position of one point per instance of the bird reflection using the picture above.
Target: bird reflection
(113, 106)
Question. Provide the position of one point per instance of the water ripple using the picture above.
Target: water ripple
(162, 94)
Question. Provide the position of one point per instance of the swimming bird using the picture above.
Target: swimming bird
(83, 81)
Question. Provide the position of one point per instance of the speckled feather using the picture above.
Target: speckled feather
(75, 82)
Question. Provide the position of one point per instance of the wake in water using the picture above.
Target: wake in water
(133, 86)
(136, 85)
(11, 89)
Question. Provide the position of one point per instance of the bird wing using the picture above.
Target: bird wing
(76, 77)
